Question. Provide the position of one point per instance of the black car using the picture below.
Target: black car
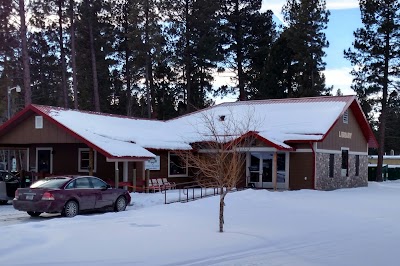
(8, 185)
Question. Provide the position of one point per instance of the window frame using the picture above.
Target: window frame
(169, 166)
(84, 170)
(357, 165)
(346, 117)
(343, 151)
(38, 122)
(331, 171)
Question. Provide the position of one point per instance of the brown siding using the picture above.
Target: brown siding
(25, 133)
(356, 143)
(298, 146)
(300, 166)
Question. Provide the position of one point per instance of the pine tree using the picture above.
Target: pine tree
(259, 47)
(49, 17)
(10, 63)
(94, 41)
(306, 21)
(194, 36)
(25, 56)
(375, 58)
(237, 17)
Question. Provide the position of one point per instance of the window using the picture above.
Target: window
(176, 166)
(83, 160)
(97, 183)
(331, 164)
(38, 122)
(345, 162)
(346, 117)
(82, 182)
(357, 165)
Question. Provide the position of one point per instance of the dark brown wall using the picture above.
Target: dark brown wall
(301, 165)
(26, 133)
(356, 143)
(298, 146)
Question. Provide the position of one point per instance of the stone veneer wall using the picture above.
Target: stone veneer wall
(324, 182)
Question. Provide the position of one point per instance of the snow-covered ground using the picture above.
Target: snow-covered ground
(343, 227)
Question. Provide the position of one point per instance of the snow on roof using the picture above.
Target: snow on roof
(275, 120)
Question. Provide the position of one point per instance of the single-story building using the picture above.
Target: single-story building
(318, 142)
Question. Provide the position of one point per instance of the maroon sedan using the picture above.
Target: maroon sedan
(70, 196)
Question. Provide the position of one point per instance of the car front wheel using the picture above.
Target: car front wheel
(3, 202)
(120, 204)
(71, 209)
(34, 214)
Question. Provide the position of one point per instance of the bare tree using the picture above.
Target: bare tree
(218, 159)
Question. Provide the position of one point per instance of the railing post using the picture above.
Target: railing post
(147, 180)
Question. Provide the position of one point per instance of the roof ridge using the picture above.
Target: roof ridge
(49, 107)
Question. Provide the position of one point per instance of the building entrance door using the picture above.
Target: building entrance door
(44, 160)
(261, 168)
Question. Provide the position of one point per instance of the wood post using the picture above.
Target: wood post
(274, 170)
(147, 179)
(116, 175)
(134, 180)
(91, 162)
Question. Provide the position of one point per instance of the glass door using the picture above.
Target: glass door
(260, 169)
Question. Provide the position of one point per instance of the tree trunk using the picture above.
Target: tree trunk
(189, 93)
(148, 60)
(93, 59)
(127, 62)
(221, 210)
(64, 94)
(25, 56)
(73, 55)
(382, 126)
(239, 52)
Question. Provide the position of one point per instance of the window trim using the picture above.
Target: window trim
(83, 170)
(169, 165)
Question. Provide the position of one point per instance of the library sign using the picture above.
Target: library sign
(345, 135)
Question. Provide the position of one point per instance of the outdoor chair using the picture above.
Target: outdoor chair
(153, 185)
(167, 184)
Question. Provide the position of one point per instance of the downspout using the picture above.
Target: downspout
(313, 168)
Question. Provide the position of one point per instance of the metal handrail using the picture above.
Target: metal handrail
(185, 191)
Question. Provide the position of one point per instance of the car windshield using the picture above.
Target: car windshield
(50, 183)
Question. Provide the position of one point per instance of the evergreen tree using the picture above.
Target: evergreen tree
(392, 138)
(306, 21)
(194, 37)
(94, 41)
(45, 74)
(259, 47)
(237, 20)
(25, 56)
(10, 51)
(50, 17)
(375, 58)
